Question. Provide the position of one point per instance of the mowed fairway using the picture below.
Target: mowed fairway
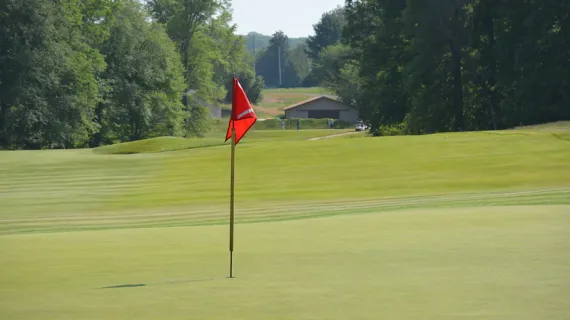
(445, 226)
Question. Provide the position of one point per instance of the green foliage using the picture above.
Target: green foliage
(325, 51)
(398, 129)
(198, 125)
(211, 54)
(75, 73)
(300, 61)
(48, 89)
(456, 65)
(275, 64)
(251, 84)
(145, 77)
(328, 32)
(330, 63)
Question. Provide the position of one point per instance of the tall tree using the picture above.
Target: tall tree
(48, 88)
(145, 76)
(459, 64)
(374, 31)
(300, 60)
(328, 32)
(229, 53)
(275, 65)
(251, 84)
(438, 40)
(185, 21)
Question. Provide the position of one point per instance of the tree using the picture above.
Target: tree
(438, 40)
(275, 65)
(183, 19)
(229, 53)
(374, 32)
(251, 84)
(145, 77)
(48, 87)
(210, 50)
(300, 61)
(458, 64)
(328, 32)
(329, 63)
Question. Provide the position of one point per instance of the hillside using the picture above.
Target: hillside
(277, 167)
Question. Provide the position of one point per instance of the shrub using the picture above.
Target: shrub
(398, 129)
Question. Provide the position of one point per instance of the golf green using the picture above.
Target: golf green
(445, 226)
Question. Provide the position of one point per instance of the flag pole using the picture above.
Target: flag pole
(242, 118)
(232, 200)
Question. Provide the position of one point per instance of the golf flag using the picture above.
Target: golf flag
(241, 121)
(242, 117)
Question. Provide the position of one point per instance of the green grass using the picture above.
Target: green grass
(478, 263)
(214, 138)
(160, 144)
(444, 226)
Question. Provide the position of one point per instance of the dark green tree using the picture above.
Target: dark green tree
(251, 84)
(328, 32)
(145, 80)
(48, 86)
(275, 65)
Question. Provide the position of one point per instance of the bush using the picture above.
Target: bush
(399, 129)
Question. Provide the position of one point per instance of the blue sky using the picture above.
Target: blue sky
(294, 17)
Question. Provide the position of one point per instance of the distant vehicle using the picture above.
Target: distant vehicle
(360, 126)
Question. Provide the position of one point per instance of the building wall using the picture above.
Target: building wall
(349, 115)
(294, 113)
(346, 113)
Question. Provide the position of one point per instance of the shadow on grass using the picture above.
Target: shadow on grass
(125, 286)
(136, 285)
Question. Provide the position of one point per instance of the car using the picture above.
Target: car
(360, 126)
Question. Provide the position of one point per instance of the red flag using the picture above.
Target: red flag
(243, 116)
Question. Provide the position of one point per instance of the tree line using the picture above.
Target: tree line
(83, 73)
(416, 66)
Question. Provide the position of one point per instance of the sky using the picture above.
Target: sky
(294, 17)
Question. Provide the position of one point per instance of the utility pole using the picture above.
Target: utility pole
(279, 62)
(254, 56)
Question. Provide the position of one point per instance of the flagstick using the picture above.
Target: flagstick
(232, 200)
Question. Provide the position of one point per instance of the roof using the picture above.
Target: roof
(302, 103)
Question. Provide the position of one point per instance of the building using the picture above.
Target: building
(322, 107)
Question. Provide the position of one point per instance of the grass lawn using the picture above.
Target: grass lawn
(485, 263)
(445, 226)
